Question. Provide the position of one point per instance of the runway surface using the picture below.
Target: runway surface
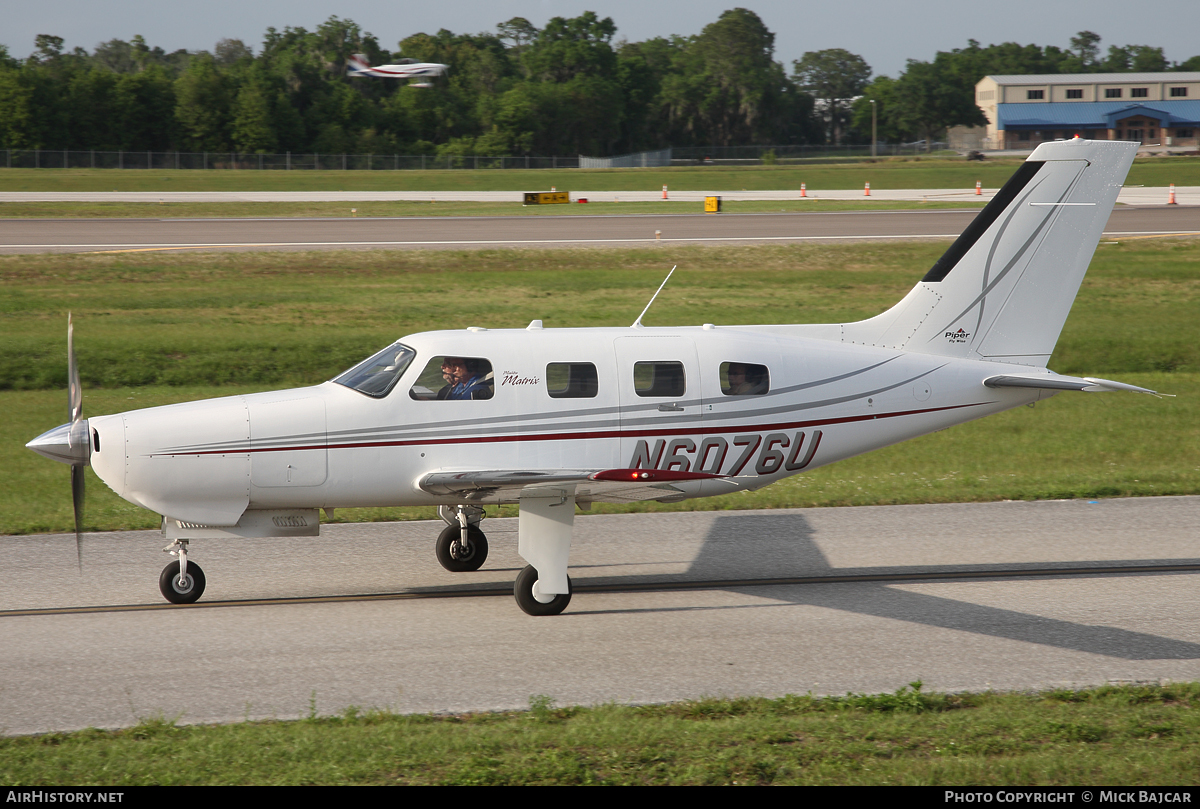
(137, 235)
(1133, 195)
(667, 607)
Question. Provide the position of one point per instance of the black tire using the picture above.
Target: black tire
(523, 590)
(168, 583)
(449, 549)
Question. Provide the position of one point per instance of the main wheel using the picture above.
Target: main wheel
(523, 590)
(189, 591)
(450, 551)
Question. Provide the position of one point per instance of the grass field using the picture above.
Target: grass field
(1124, 736)
(153, 328)
(885, 174)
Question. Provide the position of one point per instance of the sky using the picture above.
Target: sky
(886, 34)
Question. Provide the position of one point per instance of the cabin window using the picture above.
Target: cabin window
(744, 379)
(377, 375)
(1034, 94)
(659, 378)
(1183, 133)
(571, 380)
(1074, 93)
(1112, 92)
(451, 378)
(1178, 92)
(1139, 92)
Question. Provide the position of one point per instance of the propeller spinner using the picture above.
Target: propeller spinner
(70, 443)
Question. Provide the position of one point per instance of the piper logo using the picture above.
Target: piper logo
(959, 336)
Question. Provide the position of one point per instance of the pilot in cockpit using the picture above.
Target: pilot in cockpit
(465, 379)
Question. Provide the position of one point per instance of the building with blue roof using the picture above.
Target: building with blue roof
(1156, 109)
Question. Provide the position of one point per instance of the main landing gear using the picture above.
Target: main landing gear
(547, 517)
(181, 582)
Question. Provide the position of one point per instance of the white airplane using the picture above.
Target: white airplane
(552, 419)
(404, 69)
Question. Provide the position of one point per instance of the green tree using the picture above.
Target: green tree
(143, 106)
(567, 48)
(834, 76)
(18, 113)
(1086, 47)
(203, 107)
(252, 127)
(930, 97)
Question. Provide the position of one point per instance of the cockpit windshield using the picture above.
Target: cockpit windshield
(377, 375)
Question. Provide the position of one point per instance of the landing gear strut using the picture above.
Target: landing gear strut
(461, 547)
(181, 582)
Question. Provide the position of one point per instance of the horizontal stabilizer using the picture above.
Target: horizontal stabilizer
(1056, 382)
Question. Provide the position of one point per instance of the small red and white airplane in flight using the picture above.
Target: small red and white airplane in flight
(552, 419)
(404, 69)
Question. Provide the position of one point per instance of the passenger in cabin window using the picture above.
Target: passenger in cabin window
(746, 379)
(466, 378)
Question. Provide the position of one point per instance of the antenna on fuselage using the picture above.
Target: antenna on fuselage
(637, 324)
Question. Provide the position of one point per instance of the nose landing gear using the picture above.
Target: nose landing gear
(462, 546)
(181, 582)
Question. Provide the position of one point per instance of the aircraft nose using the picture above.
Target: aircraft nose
(69, 443)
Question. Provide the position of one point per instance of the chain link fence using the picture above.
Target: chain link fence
(296, 161)
(793, 153)
(288, 161)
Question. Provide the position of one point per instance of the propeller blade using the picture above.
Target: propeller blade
(77, 500)
(78, 435)
(74, 391)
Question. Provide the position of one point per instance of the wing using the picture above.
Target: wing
(597, 485)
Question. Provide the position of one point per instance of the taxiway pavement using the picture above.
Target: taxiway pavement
(964, 597)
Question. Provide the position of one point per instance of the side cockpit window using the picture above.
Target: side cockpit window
(377, 375)
(571, 380)
(744, 379)
(454, 379)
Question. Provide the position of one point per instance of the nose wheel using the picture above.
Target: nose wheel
(181, 582)
(458, 557)
(461, 547)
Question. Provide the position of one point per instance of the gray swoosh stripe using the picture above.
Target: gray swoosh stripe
(719, 423)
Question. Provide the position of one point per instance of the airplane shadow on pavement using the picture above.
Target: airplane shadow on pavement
(738, 548)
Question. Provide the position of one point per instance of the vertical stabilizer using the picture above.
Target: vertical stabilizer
(1003, 290)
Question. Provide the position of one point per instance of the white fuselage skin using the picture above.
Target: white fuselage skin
(331, 446)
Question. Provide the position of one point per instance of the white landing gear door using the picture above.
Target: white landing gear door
(662, 404)
(547, 517)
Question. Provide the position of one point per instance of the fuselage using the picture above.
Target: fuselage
(402, 71)
(334, 446)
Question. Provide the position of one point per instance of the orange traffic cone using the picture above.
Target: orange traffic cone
(978, 188)
(867, 190)
(803, 190)
(1171, 195)
(664, 192)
